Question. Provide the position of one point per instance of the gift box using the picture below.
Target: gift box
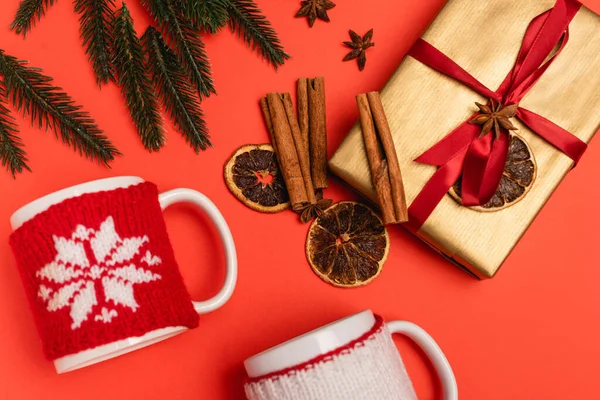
(539, 55)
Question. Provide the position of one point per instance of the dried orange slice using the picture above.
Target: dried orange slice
(253, 176)
(347, 245)
(519, 174)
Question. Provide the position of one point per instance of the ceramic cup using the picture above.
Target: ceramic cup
(99, 270)
(352, 359)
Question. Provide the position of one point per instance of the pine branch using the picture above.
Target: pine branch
(131, 69)
(28, 13)
(178, 97)
(156, 8)
(208, 15)
(96, 19)
(246, 18)
(32, 93)
(12, 155)
(185, 38)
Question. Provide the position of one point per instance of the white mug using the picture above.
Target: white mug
(98, 268)
(352, 359)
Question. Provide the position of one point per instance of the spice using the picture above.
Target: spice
(312, 211)
(302, 96)
(304, 154)
(286, 151)
(301, 149)
(383, 160)
(495, 117)
(359, 46)
(317, 131)
(313, 9)
(264, 106)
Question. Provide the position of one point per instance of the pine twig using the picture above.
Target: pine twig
(247, 19)
(28, 13)
(96, 20)
(12, 155)
(208, 15)
(32, 93)
(186, 41)
(178, 97)
(131, 69)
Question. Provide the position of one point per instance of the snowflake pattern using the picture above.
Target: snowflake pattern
(93, 271)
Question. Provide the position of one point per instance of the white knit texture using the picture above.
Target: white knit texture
(114, 262)
(371, 370)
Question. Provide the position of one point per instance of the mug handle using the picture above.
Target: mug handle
(201, 201)
(433, 351)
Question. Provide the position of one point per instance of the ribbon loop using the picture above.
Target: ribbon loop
(483, 169)
(541, 37)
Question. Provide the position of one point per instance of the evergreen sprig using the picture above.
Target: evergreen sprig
(12, 155)
(176, 75)
(32, 93)
(208, 15)
(178, 97)
(28, 13)
(131, 70)
(251, 25)
(96, 21)
(185, 38)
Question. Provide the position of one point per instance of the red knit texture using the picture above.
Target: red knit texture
(323, 358)
(100, 268)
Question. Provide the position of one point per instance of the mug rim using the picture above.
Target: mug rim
(41, 204)
(309, 345)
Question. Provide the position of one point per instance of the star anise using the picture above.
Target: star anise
(310, 211)
(314, 9)
(359, 45)
(495, 116)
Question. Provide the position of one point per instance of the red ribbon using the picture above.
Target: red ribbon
(481, 161)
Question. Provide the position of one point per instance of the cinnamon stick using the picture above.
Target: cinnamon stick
(302, 95)
(395, 174)
(317, 131)
(378, 166)
(383, 160)
(264, 106)
(301, 150)
(286, 151)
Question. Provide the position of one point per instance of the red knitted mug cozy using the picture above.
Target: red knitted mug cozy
(99, 268)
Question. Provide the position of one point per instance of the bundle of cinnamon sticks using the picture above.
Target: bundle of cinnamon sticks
(300, 143)
(383, 160)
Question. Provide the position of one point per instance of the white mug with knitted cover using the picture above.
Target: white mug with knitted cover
(352, 359)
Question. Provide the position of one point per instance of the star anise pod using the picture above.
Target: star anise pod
(314, 9)
(310, 211)
(359, 45)
(495, 116)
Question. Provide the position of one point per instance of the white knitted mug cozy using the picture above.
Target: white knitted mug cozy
(351, 359)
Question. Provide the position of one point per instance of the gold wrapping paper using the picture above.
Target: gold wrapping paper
(423, 106)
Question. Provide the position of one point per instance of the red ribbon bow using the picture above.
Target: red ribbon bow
(481, 160)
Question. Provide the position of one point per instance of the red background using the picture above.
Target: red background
(532, 332)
